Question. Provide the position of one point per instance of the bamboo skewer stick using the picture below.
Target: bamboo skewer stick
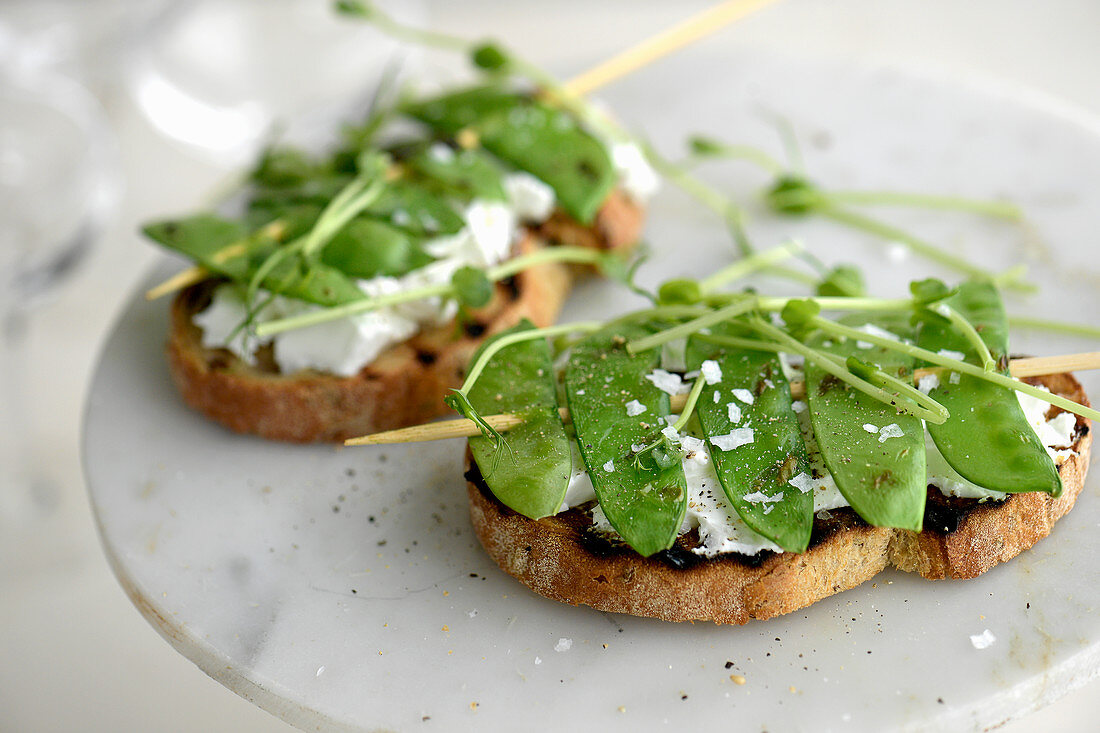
(462, 428)
(682, 34)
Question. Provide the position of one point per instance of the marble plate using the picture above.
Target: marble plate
(342, 589)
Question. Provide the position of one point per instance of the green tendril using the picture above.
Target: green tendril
(841, 372)
(966, 328)
(957, 365)
(689, 405)
(575, 255)
(744, 304)
(1043, 324)
(460, 403)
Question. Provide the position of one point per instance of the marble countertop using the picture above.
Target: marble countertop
(62, 614)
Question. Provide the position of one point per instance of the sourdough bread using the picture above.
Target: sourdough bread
(561, 558)
(406, 384)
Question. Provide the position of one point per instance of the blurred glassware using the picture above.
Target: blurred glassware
(86, 40)
(58, 185)
(223, 75)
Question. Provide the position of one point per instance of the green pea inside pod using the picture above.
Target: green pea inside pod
(762, 469)
(874, 453)
(643, 496)
(987, 439)
(533, 136)
(531, 474)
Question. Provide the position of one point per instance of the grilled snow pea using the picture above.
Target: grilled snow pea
(777, 452)
(643, 496)
(875, 454)
(987, 439)
(543, 140)
(531, 477)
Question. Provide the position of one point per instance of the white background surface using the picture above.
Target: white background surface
(76, 655)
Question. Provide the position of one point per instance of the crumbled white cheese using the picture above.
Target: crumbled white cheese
(928, 382)
(563, 645)
(736, 438)
(441, 152)
(434, 310)
(711, 371)
(954, 378)
(691, 444)
(759, 497)
(634, 408)
(531, 199)
(609, 467)
(340, 347)
(720, 528)
(667, 382)
(957, 355)
(223, 318)
(804, 482)
(870, 428)
(744, 395)
(671, 433)
(734, 412)
(717, 397)
(636, 175)
(893, 430)
(1057, 434)
(580, 487)
(983, 640)
(798, 406)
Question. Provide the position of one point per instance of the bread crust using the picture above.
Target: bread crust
(560, 558)
(406, 384)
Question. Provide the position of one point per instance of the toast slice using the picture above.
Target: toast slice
(406, 384)
(561, 558)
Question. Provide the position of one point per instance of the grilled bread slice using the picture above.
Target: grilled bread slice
(406, 384)
(561, 558)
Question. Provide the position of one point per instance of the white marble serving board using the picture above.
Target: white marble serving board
(343, 588)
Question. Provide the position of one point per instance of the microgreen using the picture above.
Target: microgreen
(575, 255)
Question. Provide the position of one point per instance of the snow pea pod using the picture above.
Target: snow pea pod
(420, 205)
(644, 500)
(532, 475)
(202, 237)
(876, 455)
(462, 174)
(533, 136)
(367, 248)
(777, 453)
(987, 439)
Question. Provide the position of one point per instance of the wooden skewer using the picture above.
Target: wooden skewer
(662, 44)
(179, 281)
(1030, 367)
